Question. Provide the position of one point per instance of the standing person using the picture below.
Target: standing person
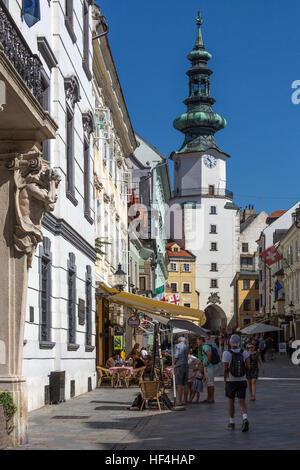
(236, 361)
(197, 386)
(252, 374)
(181, 370)
(193, 362)
(208, 370)
(269, 348)
(262, 348)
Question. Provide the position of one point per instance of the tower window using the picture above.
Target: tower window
(211, 190)
(213, 247)
(213, 267)
(213, 229)
(245, 247)
(214, 283)
(213, 210)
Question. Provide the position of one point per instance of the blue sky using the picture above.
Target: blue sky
(256, 57)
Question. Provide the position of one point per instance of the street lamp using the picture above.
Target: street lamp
(120, 277)
(273, 311)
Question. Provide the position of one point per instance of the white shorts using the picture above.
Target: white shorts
(210, 376)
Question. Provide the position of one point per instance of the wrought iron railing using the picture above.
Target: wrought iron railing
(27, 64)
(216, 192)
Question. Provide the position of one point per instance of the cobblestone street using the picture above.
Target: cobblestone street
(105, 423)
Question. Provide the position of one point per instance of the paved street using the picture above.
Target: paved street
(106, 423)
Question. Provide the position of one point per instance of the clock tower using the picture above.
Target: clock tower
(210, 218)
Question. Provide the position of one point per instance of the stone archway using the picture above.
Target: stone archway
(216, 319)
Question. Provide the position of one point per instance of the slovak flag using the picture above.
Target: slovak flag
(271, 255)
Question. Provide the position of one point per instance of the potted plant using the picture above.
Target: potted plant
(7, 411)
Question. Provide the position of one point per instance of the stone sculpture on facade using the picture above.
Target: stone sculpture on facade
(35, 193)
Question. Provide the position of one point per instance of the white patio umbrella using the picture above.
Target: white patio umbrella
(259, 328)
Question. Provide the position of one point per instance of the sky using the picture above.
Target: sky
(256, 57)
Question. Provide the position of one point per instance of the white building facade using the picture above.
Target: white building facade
(60, 313)
(205, 221)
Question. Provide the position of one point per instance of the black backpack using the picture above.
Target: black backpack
(215, 358)
(237, 366)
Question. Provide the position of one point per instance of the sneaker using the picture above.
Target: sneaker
(230, 426)
(245, 426)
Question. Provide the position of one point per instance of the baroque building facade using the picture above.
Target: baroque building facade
(59, 331)
(114, 142)
(205, 218)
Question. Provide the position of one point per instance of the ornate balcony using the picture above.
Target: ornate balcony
(27, 65)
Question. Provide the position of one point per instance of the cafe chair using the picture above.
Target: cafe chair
(137, 375)
(123, 376)
(104, 375)
(151, 390)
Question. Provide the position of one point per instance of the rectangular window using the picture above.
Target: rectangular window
(260, 275)
(71, 300)
(247, 305)
(213, 210)
(70, 157)
(86, 176)
(213, 267)
(213, 229)
(142, 283)
(257, 305)
(213, 247)
(69, 15)
(45, 292)
(85, 38)
(246, 284)
(106, 234)
(174, 287)
(111, 157)
(256, 284)
(186, 288)
(45, 103)
(246, 262)
(187, 305)
(211, 190)
(173, 267)
(245, 247)
(88, 306)
(214, 283)
(186, 268)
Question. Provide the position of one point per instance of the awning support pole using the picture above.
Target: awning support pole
(174, 382)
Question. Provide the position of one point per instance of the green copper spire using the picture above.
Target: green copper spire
(199, 123)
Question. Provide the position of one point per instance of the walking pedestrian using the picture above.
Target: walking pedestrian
(252, 374)
(235, 363)
(262, 349)
(269, 348)
(208, 369)
(181, 370)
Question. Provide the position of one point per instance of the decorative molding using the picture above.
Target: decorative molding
(89, 348)
(119, 162)
(59, 227)
(46, 51)
(214, 298)
(117, 218)
(97, 183)
(72, 90)
(73, 347)
(35, 193)
(88, 123)
(47, 345)
(106, 198)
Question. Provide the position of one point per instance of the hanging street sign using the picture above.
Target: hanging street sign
(133, 321)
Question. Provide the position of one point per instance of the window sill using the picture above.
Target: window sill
(69, 28)
(86, 68)
(89, 218)
(47, 345)
(72, 198)
(73, 347)
(89, 348)
(213, 233)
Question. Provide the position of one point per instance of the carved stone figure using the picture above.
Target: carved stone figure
(35, 193)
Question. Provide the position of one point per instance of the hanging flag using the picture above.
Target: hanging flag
(271, 255)
(160, 294)
(278, 290)
(31, 11)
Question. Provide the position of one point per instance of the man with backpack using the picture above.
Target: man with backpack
(236, 362)
(210, 357)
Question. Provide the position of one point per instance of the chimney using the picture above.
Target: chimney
(248, 212)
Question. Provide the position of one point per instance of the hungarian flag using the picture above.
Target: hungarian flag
(271, 255)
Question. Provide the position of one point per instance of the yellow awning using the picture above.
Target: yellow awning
(145, 304)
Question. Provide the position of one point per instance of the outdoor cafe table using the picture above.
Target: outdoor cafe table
(115, 369)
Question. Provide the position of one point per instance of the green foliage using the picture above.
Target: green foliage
(98, 248)
(10, 408)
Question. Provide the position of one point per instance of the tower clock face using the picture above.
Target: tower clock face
(210, 161)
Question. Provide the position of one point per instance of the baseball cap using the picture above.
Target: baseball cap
(182, 338)
(235, 340)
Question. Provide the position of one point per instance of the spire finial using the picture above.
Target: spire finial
(199, 18)
(199, 40)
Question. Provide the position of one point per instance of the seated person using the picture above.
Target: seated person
(111, 361)
(138, 362)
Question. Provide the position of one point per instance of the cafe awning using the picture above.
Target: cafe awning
(148, 305)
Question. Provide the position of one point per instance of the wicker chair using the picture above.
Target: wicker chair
(137, 375)
(123, 375)
(104, 375)
(151, 390)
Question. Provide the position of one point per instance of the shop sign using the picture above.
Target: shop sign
(133, 321)
(118, 343)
